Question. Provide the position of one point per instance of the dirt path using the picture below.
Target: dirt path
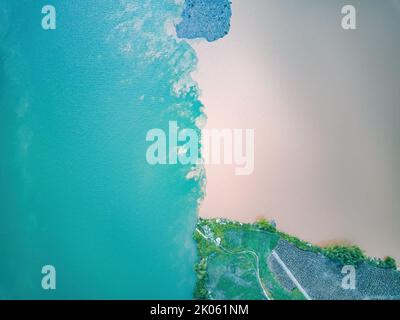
(265, 291)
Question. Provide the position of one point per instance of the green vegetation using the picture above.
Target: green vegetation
(233, 260)
(350, 255)
(266, 225)
(200, 289)
(345, 255)
(204, 248)
(386, 263)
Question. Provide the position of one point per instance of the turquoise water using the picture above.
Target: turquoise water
(76, 191)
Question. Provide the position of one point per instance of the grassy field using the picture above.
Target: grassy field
(233, 262)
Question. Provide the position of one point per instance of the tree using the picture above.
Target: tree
(388, 263)
(346, 255)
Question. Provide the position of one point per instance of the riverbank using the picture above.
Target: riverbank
(256, 261)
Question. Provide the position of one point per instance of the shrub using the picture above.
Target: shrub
(263, 224)
(346, 255)
(387, 263)
(200, 291)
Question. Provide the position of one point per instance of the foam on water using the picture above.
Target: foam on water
(76, 191)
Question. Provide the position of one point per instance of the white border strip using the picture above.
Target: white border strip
(290, 275)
